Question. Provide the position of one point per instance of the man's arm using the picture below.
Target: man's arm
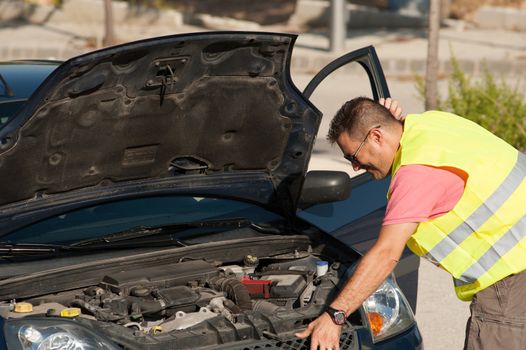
(371, 271)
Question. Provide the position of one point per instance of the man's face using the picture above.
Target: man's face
(370, 153)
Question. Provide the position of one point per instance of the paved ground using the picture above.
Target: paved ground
(440, 315)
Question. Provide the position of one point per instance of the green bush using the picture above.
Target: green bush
(496, 106)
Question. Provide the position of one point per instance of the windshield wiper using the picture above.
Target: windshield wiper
(11, 249)
(125, 239)
(9, 92)
(147, 231)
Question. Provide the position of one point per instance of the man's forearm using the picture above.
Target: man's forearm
(371, 271)
(374, 267)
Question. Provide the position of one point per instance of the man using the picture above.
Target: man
(457, 197)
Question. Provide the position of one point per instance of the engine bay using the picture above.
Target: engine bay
(195, 301)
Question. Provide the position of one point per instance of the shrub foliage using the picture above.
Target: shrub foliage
(495, 105)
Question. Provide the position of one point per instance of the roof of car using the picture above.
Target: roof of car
(24, 76)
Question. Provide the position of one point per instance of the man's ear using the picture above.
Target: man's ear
(377, 136)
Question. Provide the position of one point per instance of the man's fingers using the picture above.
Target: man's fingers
(313, 344)
(305, 333)
(393, 106)
(323, 334)
(386, 102)
(398, 111)
(389, 103)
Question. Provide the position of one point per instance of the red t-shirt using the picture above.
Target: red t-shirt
(420, 192)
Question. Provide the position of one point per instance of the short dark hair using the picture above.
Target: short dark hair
(357, 116)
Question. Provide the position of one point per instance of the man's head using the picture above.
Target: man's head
(368, 135)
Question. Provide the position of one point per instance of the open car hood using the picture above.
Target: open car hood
(207, 113)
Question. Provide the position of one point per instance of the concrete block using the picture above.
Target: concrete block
(353, 68)
(313, 13)
(322, 61)
(493, 17)
(467, 66)
(400, 65)
(316, 13)
(417, 66)
(498, 68)
(365, 17)
(516, 20)
(46, 52)
(67, 53)
(519, 70)
(444, 66)
(139, 15)
(299, 63)
(170, 18)
(39, 14)
(392, 66)
(4, 53)
(88, 12)
(488, 17)
(224, 23)
(471, 67)
(23, 52)
(11, 10)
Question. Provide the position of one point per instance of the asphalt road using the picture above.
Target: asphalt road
(440, 315)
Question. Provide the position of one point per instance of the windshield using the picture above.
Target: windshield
(101, 220)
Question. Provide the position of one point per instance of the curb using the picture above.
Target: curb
(308, 63)
(408, 67)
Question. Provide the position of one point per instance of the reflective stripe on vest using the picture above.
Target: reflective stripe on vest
(475, 221)
(500, 248)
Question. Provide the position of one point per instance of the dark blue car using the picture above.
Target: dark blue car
(18, 80)
(155, 195)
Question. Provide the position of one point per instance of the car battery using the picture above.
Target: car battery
(285, 286)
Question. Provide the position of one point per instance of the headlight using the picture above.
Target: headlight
(52, 334)
(387, 311)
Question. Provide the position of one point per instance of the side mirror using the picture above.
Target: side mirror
(323, 187)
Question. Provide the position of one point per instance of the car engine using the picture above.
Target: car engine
(200, 302)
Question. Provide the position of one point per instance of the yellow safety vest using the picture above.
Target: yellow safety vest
(483, 238)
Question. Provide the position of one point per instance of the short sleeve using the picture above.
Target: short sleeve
(420, 192)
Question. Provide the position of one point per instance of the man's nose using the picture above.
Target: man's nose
(356, 166)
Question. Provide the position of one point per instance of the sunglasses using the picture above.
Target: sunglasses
(352, 158)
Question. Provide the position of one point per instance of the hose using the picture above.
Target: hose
(234, 289)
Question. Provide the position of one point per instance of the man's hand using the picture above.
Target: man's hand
(324, 333)
(393, 106)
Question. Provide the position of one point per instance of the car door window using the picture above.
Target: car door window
(358, 73)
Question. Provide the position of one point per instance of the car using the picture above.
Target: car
(155, 195)
(18, 80)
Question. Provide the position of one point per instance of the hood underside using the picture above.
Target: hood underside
(186, 105)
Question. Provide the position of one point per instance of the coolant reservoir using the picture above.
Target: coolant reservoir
(23, 307)
(321, 268)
